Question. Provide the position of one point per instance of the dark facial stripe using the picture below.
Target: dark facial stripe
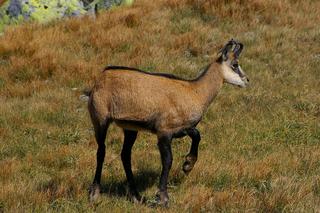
(236, 69)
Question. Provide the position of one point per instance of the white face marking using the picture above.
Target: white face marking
(233, 78)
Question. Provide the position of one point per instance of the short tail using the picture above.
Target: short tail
(87, 92)
(85, 96)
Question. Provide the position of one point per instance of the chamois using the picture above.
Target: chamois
(161, 103)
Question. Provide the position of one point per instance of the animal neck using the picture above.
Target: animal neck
(209, 84)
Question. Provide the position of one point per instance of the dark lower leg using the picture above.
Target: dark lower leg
(129, 139)
(164, 145)
(100, 158)
(94, 190)
(191, 158)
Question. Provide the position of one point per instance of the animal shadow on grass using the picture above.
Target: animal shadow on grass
(119, 188)
(144, 179)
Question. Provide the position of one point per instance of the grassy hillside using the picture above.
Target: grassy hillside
(260, 149)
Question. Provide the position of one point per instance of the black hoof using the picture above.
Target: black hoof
(189, 164)
(136, 198)
(187, 168)
(94, 192)
(162, 199)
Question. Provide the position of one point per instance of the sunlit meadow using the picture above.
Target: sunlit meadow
(260, 148)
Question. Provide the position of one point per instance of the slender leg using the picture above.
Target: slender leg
(164, 144)
(95, 188)
(191, 158)
(129, 139)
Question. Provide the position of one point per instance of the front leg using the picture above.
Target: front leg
(164, 144)
(192, 157)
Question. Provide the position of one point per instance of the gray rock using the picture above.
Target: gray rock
(14, 9)
(43, 11)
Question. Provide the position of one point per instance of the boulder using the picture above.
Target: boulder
(16, 11)
(44, 10)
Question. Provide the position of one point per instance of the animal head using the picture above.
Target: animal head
(229, 60)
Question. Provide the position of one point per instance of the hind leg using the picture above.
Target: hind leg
(164, 145)
(100, 134)
(129, 139)
(191, 158)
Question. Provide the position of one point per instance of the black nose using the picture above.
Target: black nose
(248, 79)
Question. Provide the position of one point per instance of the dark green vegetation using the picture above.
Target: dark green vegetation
(260, 149)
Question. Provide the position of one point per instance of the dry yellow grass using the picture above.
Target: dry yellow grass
(260, 150)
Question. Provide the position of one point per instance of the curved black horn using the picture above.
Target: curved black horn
(238, 49)
(224, 51)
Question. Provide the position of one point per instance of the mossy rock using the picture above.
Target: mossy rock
(17, 11)
(47, 10)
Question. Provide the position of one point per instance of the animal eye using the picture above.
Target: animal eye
(235, 66)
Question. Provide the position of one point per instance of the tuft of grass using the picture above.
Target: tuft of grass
(221, 182)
